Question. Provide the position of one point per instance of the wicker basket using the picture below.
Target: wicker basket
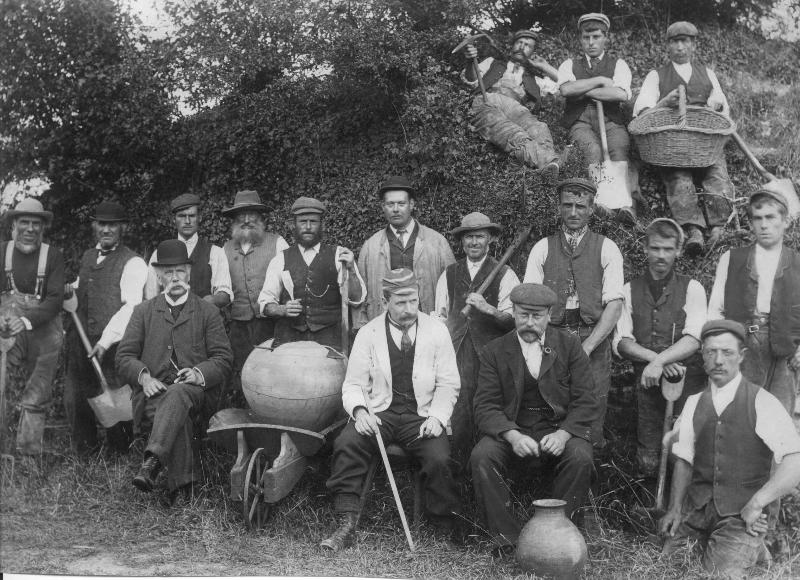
(690, 136)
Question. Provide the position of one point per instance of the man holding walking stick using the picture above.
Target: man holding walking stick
(405, 361)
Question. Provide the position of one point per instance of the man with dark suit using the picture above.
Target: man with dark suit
(176, 353)
(535, 402)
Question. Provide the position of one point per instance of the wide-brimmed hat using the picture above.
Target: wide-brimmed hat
(245, 200)
(30, 206)
(183, 201)
(476, 221)
(172, 253)
(109, 211)
(397, 182)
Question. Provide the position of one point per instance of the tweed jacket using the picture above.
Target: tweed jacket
(432, 254)
(435, 375)
(565, 382)
(197, 336)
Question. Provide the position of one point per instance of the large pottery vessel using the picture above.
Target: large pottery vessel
(299, 384)
(550, 544)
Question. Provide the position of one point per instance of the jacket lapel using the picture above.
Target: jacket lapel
(186, 313)
(418, 245)
(161, 306)
(515, 361)
(548, 355)
(382, 349)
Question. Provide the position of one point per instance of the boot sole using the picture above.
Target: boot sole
(142, 484)
(331, 547)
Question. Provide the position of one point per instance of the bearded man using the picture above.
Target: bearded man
(249, 251)
(110, 283)
(30, 294)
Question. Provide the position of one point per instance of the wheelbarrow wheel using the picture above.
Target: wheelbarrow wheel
(254, 508)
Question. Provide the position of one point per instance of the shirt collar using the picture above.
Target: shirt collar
(579, 234)
(190, 241)
(589, 58)
(729, 387)
(526, 345)
(684, 67)
(774, 251)
(475, 266)
(315, 248)
(178, 302)
(409, 228)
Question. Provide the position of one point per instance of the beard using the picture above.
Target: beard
(27, 247)
(251, 233)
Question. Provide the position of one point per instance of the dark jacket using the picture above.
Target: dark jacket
(565, 382)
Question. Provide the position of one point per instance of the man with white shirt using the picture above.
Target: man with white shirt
(403, 243)
(301, 288)
(595, 75)
(489, 318)
(110, 284)
(729, 435)
(403, 360)
(659, 330)
(535, 403)
(584, 269)
(503, 117)
(660, 89)
(759, 286)
(211, 279)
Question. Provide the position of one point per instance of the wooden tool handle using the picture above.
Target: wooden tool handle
(752, 158)
(662, 465)
(601, 121)
(479, 77)
(88, 346)
(344, 290)
(682, 104)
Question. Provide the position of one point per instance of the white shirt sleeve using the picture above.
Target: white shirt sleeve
(613, 275)
(273, 284)
(547, 86)
(220, 272)
(716, 92)
(649, 94)
(483, 66)
(775, 427)
(624, 327)
(281, 245)
(695, 309)
(534, 271)
(131, 287)
(716, 303)
(508, 282)
(442, 302)
(565, 74)
(684, 427)
(358, 275)
(623, 77)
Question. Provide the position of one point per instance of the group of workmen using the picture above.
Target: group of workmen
(512, 90)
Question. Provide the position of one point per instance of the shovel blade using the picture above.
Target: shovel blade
(611, 179)
(786, 188)
(113, 406)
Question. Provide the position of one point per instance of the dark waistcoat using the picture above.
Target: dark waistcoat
(200, 281)
(574, 107)
(531, 411)
(730, 462)
(741, 290)
(402, 363)
(496, 71)
(400, 257)
(562, 266)
(316, 285)
(697, 89)
(481, 327)
(247, 274)
(99, 295)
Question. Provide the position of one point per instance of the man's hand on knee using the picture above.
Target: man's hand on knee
(152, 387)
(669, 523)
(554, 443)
(366, 423)
(522, 445)
(430, 428)
(755, 520)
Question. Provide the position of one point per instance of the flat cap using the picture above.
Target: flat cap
(400, 281)
(772, 195)
(673, 224)
(524, 33)
(577, 183)
(714, 327)
(397, 182)
(529, 294)
(307, 205)
(475, 221)
(594, 17)
(110, 211)
(681, 28)
(183, 201)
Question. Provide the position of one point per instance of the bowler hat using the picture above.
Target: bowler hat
(30, 206)
(578, 183)
(530, 294)
(475, 221)
(109, 211)
(400, 281)
(307, 205)
(397, 182)
(245, 200)
(773, 195)
(172, 253)
(594, 17)
(183, 201)
(714, 327)
(681, 28)
(524, 33)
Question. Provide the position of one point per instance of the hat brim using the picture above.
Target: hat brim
(101, 218)
(184, 206)
(237, 208)
(45, 215)
(172, 263)
(490, 226)
(308, 210)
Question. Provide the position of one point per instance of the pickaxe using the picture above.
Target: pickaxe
(461, 46)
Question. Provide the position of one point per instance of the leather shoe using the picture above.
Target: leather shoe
(145, 479)
(345, 534)
(694, 241)
(626, 216)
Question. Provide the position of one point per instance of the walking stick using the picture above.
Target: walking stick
(389, 474)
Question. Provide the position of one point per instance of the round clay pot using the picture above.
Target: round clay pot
(550, 544)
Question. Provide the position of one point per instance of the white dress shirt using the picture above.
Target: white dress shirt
(512, 79)
(532, 353)
(650, 93)
(773, 424)
(766, 264)
(621, 79)
(507, 284)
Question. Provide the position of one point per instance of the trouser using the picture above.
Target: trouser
(728, 548)
(245, 335)
(353, 453)
(585, 133)
(81, 384)
(763, 368)
(684, 203)
(38, 351)
(170, 417)
(462, 421)
(329, 336)
(491, 457)
(512, 127)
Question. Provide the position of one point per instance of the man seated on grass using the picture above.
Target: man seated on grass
(729, 435)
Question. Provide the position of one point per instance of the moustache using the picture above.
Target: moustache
(176, 284)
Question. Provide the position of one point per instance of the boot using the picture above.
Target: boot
(30, 432)
(345, 534)
(694, 241)
(145, 479)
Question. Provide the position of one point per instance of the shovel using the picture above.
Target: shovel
(783, 186)
(610, 177)
(113, 405)
(671, 392)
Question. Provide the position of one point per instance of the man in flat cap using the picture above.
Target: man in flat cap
(110, 284)
(249, 252)
(535, 407)
(211, 278)
(584, 269)
(403, 243)
(176, 355)
(302, 286)
(30, 304)
(660, 89)
(506, 117)
(489, 317)
(659, 330)
(404, 361)
(595, 75)
(736, 452)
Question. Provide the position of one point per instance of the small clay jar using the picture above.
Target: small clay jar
(550, 544)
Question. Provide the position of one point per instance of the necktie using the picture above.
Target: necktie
(400, 239)
(593, 62)
(405, 339)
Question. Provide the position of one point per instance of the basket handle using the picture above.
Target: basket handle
(682, 105)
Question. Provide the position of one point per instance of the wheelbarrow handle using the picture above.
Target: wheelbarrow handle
(88, 346)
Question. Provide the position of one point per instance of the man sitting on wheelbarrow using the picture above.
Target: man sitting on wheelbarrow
(404, 361)
(301, 288)
(176, 355)
(660, 89)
